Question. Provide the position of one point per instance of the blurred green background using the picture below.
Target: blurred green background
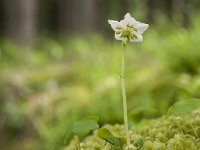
(59, 62)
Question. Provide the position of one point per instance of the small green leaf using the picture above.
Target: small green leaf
(106, 135)
(183, 107)
(84, 126)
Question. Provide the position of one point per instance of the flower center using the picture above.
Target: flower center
(128, 32)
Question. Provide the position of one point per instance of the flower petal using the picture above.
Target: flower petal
(138, 39)
(141, 27)
(118, 37)
(128, 19)
(127, 15)
(123, 23)
(113, 24)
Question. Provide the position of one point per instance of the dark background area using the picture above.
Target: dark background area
(21, 20)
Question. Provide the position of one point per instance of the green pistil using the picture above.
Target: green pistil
(127, 32)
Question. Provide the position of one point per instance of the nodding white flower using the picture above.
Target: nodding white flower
(128, 29)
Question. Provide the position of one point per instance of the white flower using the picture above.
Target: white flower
(128, 29)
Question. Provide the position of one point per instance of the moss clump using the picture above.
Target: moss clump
(166, 133)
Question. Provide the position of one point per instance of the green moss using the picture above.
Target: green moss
(166, 133)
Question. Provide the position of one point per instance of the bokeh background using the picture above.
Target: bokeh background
(59, 62)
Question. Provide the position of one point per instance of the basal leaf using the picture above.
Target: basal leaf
(183, 107)
(84, 126)
(106, 135)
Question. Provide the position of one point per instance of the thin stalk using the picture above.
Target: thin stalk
(124, 96)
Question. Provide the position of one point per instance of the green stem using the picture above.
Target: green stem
(124, 97)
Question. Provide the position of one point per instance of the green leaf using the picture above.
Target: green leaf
(184, 107)
(84, 126)
(106, 135)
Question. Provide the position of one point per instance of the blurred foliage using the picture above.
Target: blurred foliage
(44, 89)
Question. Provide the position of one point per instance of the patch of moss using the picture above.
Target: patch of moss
(166, 133)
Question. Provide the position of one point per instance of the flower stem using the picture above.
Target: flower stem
(124, 96)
